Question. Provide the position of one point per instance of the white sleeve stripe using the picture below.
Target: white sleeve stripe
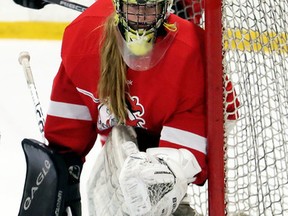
(70, 111)
(184, 138)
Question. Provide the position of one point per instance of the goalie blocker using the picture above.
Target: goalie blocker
(52, 182)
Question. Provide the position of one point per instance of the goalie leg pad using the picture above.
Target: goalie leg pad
(46, 179)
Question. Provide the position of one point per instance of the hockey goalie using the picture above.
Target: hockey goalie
(118, 81)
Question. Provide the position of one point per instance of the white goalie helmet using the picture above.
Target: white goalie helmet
(140, 22)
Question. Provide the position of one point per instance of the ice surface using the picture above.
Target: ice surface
(17, 115)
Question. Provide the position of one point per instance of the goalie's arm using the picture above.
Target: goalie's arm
(188, 131)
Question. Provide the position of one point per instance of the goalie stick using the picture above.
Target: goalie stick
(24, 60)
(39, 4)
(37, 153)
(68, 4)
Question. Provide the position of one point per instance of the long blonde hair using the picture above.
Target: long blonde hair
(112, 83)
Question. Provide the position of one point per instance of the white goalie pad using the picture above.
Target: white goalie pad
(104, 194)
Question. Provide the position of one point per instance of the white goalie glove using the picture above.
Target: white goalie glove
(155, 182)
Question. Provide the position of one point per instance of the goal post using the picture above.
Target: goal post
(247, 78)
(215, 117)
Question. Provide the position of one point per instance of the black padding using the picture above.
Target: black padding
(46, 179)
(146, 139)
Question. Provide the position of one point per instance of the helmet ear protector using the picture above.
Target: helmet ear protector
(139, 23)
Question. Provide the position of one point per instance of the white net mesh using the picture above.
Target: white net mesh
(255, 60)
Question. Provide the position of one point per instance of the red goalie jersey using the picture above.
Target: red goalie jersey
(168, 99)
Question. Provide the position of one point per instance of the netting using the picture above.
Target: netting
(255, 60)
(255, 57)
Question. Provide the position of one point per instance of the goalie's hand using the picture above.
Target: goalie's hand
(33, 4)
(150, 186)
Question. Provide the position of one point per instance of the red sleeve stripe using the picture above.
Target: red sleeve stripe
(184, 138)
(69, 111)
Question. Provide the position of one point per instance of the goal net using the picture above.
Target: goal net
(246, 45)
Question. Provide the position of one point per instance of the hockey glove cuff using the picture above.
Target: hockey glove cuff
(179, 160)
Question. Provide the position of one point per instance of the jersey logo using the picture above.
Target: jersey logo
(135, 111)
(106, 119)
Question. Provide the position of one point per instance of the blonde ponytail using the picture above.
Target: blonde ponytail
(112, 83)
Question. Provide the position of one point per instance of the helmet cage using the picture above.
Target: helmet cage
(148, 16)
(142, 14)
(139, 23)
